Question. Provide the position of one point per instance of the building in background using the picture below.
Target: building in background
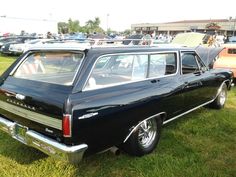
(212, 26)
(17, 25)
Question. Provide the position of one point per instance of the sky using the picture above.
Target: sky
(119, 14)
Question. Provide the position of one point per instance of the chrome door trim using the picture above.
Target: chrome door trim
(171, 119)
(218, 92)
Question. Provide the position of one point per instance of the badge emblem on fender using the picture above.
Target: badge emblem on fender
(86, 116)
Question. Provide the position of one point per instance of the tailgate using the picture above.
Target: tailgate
(36, 105)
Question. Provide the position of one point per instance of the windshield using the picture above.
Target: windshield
(51, 67)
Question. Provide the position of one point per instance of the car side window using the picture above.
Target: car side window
(189, 63)
(162, 64)
(117, 69)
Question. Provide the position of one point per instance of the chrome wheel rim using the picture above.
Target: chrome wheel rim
(147, 133)
(222, 97)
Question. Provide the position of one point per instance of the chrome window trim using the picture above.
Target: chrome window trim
(192, 52)
(199, 58)
(23, 60)
(132, 53)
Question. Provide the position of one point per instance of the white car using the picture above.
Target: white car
(21, 48)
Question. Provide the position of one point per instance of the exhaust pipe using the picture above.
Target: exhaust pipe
(115, 150)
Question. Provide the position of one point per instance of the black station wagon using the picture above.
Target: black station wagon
(70, 101)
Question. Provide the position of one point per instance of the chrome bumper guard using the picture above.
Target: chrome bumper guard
(71, 154)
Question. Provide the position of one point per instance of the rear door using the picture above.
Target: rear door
(121, 90)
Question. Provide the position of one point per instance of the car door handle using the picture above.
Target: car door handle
(155, 81)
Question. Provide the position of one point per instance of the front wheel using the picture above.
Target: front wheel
(220, 100)
(145, 138)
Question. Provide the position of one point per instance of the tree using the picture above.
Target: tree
(93, 26)
(62, 27)
(73, 26)
(213, 25)
(127, 32)
(97, 22)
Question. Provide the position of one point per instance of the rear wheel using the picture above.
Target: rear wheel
(220, 100)
(145, 138)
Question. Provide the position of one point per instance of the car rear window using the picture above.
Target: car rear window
(51, 67)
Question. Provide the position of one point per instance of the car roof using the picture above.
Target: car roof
(107, 49)
(137, 49)
(60, 46)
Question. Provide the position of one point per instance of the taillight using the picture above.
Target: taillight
(66, 125)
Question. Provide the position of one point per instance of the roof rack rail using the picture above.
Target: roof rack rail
(119, 42)
(103, 43)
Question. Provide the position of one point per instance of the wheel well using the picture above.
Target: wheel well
(161, 115)
(227, 84)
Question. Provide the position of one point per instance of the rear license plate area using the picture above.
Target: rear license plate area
(20, 132)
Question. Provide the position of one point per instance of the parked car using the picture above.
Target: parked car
(19, 48)
(70, 101)
(5, 49)
(231, 40)
(137, 39)
(77, 36)
(191, 39)
(5, 40)
(227, 58)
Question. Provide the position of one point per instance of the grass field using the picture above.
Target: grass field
(200, 144)
(5, 62)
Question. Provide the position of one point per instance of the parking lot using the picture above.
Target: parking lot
(199, 144)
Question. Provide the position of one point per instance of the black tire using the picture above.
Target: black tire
(220, 100)
(137, 146)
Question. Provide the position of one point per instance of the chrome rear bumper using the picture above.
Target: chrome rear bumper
(72, 154)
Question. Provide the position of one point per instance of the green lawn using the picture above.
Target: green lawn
(200, 144)
(5, 62)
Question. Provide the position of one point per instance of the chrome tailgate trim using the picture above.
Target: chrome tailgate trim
(33, 116)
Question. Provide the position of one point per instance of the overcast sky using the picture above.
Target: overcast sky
(122, 13)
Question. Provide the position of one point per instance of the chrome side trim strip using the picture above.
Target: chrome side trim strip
(218, 92)
(132, 129)
(169, 120)
(33, 116)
